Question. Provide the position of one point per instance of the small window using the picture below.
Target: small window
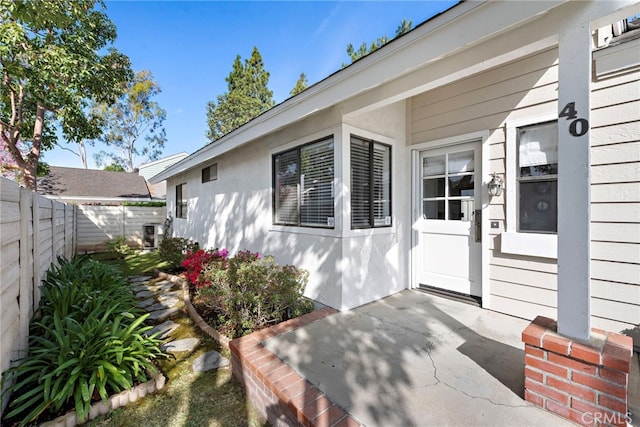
(537, 178)
(210, 173)
(181, 200)
(303, 185)
(370, 184)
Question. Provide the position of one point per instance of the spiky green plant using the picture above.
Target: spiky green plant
(86, 340)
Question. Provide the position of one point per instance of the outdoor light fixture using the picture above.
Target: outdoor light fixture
(495, 185)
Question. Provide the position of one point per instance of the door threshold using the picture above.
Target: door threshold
(453, 295)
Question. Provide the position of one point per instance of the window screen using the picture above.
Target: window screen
(303, 185)
(181, 201)
(370, 184)
(538, 178)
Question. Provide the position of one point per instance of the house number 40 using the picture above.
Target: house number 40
(578, 127)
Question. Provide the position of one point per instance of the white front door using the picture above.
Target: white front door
(449, 202)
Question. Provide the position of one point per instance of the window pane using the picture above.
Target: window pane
(460, 210)
(538, 206)
(432, 187)
(460, 186)
(433, 209)
(316, 183)
(461, 162)
(433, 165)
(286, 187)
(381, 185)
(538, 145)
(360, 186)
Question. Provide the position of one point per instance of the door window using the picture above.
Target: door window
(448, 186)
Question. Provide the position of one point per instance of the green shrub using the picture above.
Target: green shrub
(86, 340)
(119, 247)
(174, 250)
(247, 293)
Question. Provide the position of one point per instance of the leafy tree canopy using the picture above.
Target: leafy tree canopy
(364, 49)
(133, 125)
(247, 96)
(56, 58)
(114, 167)
(301, 85)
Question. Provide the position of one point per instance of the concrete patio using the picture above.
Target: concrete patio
(415, 359)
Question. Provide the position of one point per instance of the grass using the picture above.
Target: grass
(134, 264)
(213, 398)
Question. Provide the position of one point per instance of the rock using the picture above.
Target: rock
(146, 303)
(181, 346)
(145, 294)
(163, 330)
(168, 303)
(208, 361)
(162, 315)
(172, 294)
(139, 279)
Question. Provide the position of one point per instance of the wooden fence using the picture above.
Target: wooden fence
(34, 231)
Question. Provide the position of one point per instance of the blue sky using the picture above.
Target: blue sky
(190, 46)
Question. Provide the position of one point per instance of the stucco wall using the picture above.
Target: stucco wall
(347, 268)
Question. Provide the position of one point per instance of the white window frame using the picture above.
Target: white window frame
(182, 204)
(372, 143)
(290, 147)
(212, 176)
(543, 245)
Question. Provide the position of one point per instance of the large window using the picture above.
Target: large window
(370, 184)
(303, 185)
(181, 200)
(537, 178)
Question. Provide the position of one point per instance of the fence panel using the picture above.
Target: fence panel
(98, 224)
(33, 232)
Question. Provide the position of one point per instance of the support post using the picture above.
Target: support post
(574, 182)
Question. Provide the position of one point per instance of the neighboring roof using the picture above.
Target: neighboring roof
(98, 184)
(153, 168)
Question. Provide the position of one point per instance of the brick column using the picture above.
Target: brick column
(585, 382)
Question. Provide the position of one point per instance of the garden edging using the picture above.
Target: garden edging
(115, 401)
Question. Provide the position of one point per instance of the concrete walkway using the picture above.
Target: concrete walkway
(414, 359)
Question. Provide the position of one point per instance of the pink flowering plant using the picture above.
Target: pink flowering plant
(246, 292)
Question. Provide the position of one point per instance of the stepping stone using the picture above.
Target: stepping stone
(146, 303)
(208, 361)
(180, 346)
(162, 288)
(145, 294)
(163, 329)
(162, 315)
(140, 287)
(163, 305)
(139, 279)
(170, 295)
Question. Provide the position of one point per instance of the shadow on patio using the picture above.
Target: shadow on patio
(415, 359)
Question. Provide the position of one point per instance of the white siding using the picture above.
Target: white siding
(526, 286)
(98, 224)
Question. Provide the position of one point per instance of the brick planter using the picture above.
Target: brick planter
(283, 396)
(583, 382)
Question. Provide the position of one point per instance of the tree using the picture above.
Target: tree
(355, 54)
(134, 117)
(56, 59)
(301, 85)
(114, 167)
(247, 96)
